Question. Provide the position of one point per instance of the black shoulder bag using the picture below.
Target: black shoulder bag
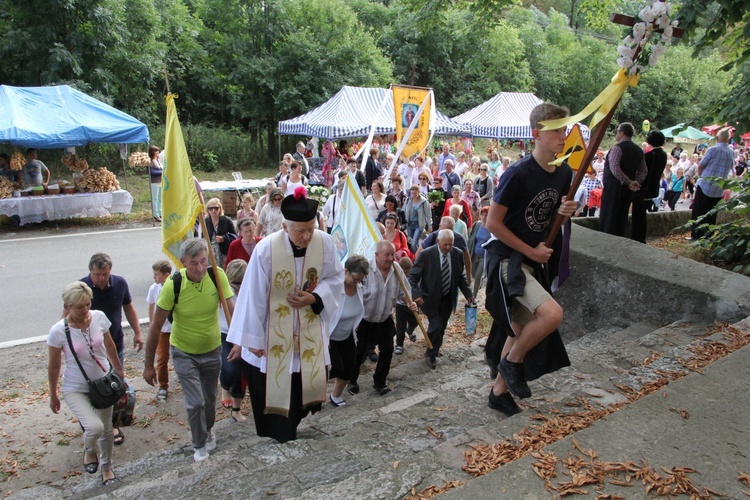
(106, 391)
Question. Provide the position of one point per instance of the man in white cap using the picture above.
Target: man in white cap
(281, 321)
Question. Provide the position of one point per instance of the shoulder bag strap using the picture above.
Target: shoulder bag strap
(70, 343)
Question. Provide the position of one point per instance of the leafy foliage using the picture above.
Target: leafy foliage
(729, 243)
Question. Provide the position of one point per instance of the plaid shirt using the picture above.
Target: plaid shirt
(717, 162)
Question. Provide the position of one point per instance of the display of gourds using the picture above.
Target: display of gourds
(17, 161)
(6, 188)
(138, 159)
(75, 163)
(98, 180)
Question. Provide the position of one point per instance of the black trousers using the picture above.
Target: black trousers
(701, 206)
(405, 323)
(638, 222)
(438, 323)
(616, 199)
(382, 334)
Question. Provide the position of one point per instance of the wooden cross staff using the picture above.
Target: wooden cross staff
(596, 138)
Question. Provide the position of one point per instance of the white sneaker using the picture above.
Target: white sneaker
(211, 441)
(200, 454)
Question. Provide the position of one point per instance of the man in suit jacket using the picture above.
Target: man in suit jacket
(299, 155)
(437, 298)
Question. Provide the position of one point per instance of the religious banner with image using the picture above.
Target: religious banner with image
(354, 232)
(406, 104)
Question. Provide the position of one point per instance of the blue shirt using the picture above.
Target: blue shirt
(482, 236)
(110, 302)
(717, 162)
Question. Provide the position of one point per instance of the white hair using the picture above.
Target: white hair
(445, 234)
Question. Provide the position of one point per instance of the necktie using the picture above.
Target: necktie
(446, 275)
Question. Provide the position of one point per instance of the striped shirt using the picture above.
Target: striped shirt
(380, 294)
(717, 162)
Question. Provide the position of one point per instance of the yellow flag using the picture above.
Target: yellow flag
(406, 104)
(574, 150)
(180, 202)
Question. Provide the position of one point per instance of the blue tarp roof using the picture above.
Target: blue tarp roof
(60, 116)
(351, 112)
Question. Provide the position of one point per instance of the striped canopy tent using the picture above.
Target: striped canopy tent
(505, 116)
(352, 111)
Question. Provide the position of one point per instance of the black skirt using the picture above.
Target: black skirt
(278, 427)
(547, 356)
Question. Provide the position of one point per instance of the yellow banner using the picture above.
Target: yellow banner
(406, 104)
(601, 105)
(180, 202)
(574, 150)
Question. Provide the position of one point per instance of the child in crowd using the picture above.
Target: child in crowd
(406, 323)
(162, 269)
(247, 210)
(233, 386)
(593, 199)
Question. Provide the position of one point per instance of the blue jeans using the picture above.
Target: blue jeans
(414, 232)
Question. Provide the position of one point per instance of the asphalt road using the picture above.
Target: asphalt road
(35, 268)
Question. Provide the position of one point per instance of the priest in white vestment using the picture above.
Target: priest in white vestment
(282, 319)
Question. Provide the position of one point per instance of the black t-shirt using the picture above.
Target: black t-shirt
(532, 196)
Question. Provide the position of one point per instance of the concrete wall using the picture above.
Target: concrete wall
(616, 282)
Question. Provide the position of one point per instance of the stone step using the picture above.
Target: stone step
(383, 446)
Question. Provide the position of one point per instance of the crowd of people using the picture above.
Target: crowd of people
(306, 318)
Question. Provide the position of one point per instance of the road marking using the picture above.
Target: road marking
(78, 235)
(43, 338)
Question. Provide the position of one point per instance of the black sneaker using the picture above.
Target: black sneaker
(353, 388)
(372, 356)
(513, 375)
(504, 403)
(413, 337)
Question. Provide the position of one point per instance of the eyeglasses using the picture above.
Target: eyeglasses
(277, 198)
(213, 208)
(483, 169)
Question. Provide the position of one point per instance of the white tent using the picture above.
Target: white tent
(352, 111)
(505, 116)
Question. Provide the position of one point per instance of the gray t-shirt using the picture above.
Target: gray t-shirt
(34, 173)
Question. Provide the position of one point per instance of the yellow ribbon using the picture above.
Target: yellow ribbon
(601, 105)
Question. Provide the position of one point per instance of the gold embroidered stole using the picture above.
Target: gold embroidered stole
(283, 339)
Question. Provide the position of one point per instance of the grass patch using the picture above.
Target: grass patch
(678, 245)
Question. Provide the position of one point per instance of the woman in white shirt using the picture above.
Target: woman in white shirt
(342, 344)
(376, 201)
(96, 351)
(292, 181)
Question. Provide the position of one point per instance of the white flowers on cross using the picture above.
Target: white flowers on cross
(640, 49)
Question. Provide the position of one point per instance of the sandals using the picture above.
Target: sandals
(119, 437)
(111, 480)
(240, 415)
(91, 467)
(226, 403)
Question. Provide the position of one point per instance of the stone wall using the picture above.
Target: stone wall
(616, 282)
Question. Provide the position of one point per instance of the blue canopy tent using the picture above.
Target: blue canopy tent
(60, 117)
(352, 111)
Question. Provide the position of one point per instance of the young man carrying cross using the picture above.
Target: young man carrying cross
(518, 297)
